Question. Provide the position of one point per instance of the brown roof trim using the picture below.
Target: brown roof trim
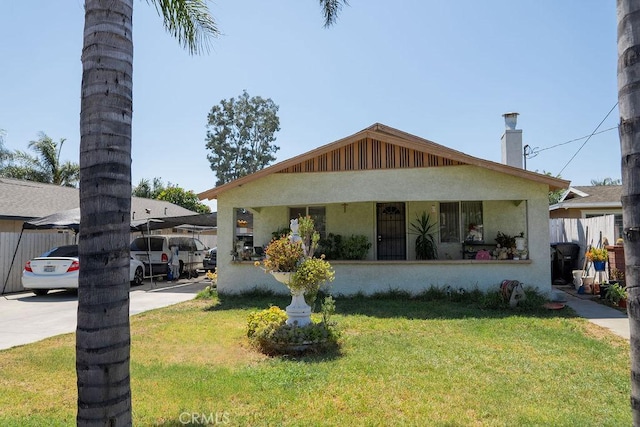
(393, 136)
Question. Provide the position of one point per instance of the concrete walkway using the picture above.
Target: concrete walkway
(607, 317)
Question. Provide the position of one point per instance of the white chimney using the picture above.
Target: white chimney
(512, 141)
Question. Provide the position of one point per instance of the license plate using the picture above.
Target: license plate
(49, 268)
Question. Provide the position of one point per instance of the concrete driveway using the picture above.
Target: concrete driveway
(26, 318)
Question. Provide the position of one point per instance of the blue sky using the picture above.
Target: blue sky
(442, 70)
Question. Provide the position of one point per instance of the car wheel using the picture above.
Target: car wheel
(40, 292)
(138, 277)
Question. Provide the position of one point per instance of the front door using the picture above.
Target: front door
(391, 231)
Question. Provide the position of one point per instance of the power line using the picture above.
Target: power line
(536, 150)
(587, 140)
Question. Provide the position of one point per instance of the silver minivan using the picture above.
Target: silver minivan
(155, 252)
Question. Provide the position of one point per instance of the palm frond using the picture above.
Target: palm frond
(330, 9)
(189, 21)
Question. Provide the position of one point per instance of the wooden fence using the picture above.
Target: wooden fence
(583, 231)
(32, 243)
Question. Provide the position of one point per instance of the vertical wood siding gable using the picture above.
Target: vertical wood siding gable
(369, 154)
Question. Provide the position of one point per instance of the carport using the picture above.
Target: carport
(70, 220)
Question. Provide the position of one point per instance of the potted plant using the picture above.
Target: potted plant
(616, 276)
(599, 257)
(290, 259)
(425, 241)
(506, 245)
(617, 295)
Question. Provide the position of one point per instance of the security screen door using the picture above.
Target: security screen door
(391, 231)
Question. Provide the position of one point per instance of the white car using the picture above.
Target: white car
(58, 269)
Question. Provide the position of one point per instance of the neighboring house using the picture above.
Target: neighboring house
(591, 201)
(375, 183)
(26, 200)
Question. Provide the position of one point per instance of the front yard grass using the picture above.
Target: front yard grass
(402, 362)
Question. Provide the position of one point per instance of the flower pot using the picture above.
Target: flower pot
(577, 278)
(282, 277)
(599, 265)
(622, 303)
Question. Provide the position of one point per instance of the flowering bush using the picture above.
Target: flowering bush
(294, 254)
(213, 276)
(258, 321)
(267, 331)
(311, 274)
(597, 254)
(282, 255)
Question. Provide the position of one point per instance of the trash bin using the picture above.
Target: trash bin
(565, 260)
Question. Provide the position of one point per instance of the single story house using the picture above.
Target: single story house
(27, 200)
(375, 183)
(590, 201)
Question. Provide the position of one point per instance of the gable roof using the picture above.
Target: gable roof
(25, 200)
(590, 197)
(381, 147)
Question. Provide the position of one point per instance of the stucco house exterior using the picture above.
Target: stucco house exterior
(375, 183)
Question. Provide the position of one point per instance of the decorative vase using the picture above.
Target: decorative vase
(599, 265)
(577, 278)
(298, 312)
(282, 277)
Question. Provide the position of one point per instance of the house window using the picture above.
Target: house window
(457, 218)
(317, 214)
(450, 222)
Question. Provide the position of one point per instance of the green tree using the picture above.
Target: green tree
(181, 197)
(148, 189)
(554, 196)
(606, 181)
(103, 332)
(45, 166)
(169, 193)
(628, 14)
(5, 155)
(240, 133)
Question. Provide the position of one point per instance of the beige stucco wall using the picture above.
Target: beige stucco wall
(511, 205)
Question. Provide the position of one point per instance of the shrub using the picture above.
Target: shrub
(335, 247)
(263, 319)
(268, 332)
(355, 247)
(207, 293)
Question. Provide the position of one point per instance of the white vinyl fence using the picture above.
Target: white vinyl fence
(583, 231)
(32, 243)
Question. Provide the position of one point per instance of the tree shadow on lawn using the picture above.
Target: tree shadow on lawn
(398, 304)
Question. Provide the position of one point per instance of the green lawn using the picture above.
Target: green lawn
(402, 362)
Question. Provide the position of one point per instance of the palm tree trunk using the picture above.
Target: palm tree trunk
(628, 12)
(103, 336)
